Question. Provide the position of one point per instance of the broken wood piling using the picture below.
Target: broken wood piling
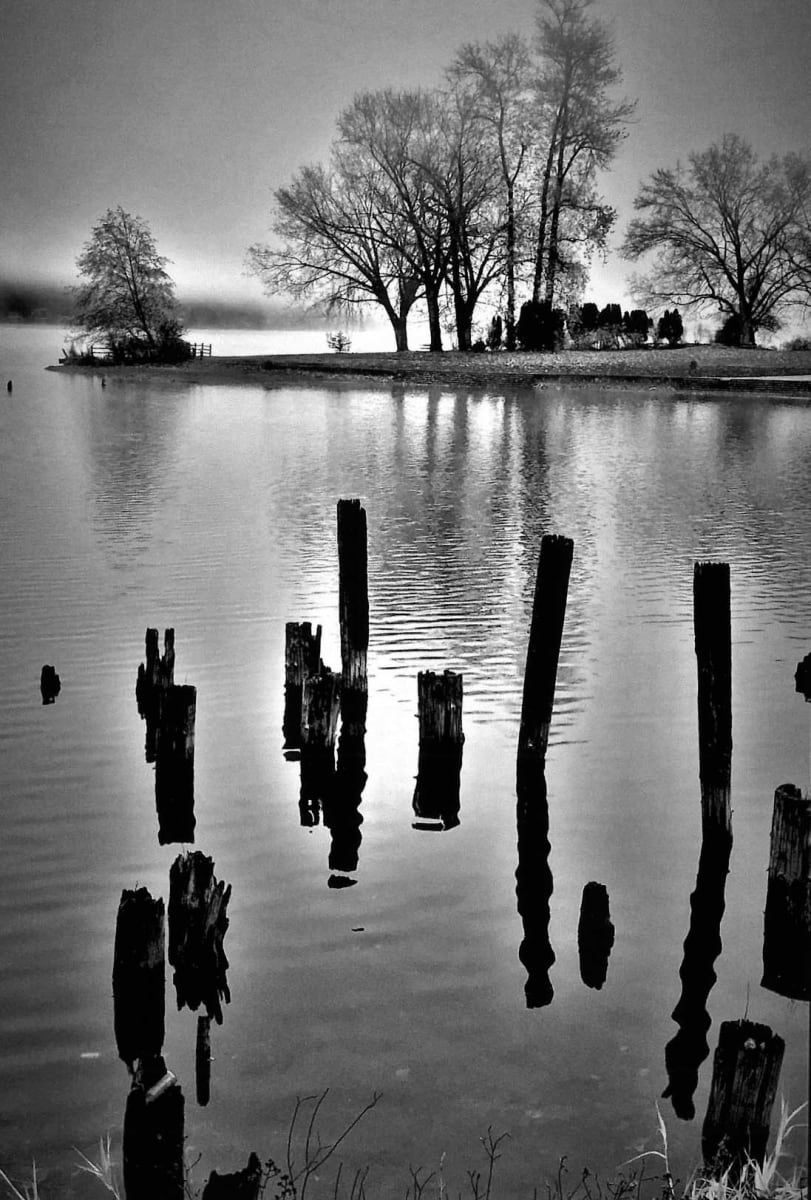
(302, 657)
(174, 763)
(198, 922)
(713, 647)
(441, 740)
(139, 976)
(746, 1069)
(152, 1151)
(353, 595)
(787, 918)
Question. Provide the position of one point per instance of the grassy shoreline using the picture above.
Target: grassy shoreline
(688, 368)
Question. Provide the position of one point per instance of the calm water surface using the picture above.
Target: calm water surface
(213, 510)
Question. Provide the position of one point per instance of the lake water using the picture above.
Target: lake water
(212, 510)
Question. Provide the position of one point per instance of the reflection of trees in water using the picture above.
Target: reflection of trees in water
(687, 1050)
(131, 441)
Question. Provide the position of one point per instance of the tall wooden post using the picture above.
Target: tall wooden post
(353, 594)
(713, 645)
(139, 976)
(302, 657)
(746, 1068)
(543, 652)
(436, 795)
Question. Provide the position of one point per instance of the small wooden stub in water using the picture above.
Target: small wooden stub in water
(174, 764)
(543, 651)
(353, 594)
(240, 1185)
(302, 657)
(713, 645)
(787, 919)
(154, 1134)
(595, 935)
(139, 976)
(50, 684)
(436, 795)
(197, 925)
(746, 1069)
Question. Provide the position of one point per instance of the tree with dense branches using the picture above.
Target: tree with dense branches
(127, 298)
(731, 233)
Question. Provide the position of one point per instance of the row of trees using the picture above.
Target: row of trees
(475, 187)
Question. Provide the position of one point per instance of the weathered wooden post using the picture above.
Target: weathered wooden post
(50, 684)
(154, 1134)
(342, 805)
(441, 740)
(322, 702)
(353, 595)
(543, 651)
(202, 1060)
(156, 674)
(240, 1185)
(534, 884)
(302, 657)
(595, 935)
(687, 1049)
(139, 976)
(198, 922)
(713, 646)
(174, 763)
(746, 1068)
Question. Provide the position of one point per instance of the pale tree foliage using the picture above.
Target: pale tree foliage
(731, 233)
(126, 294)
(581, 126)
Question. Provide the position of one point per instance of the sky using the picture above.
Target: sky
(190, 113)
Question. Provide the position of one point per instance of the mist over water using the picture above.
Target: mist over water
(212, 510)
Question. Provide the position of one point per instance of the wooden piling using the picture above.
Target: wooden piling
(50, 684)
(713, 646)
(322, 703)
(353, 594)
(534, 884)
(139, 977)
(688, 1048)
(787, 919)
(202, 1060)
(198, 923)
(595, 935)
(154, 676)
(342, 803)
(154, 1135)
(746, 1069)
(543, 651)
(174, 763)
(441, 739)
(240, 1185)
(302, 657)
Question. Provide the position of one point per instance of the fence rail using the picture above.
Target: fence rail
(201, 349)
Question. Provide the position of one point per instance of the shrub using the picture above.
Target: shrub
(670, 327)
(540, 327)
(495, 333)
(731, 332)
(798, 343)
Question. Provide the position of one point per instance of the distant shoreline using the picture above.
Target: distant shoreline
(689, 368)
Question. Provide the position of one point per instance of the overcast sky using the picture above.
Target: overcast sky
(190, 112)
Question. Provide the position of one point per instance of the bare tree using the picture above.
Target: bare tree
(730, 232)
(581, 125)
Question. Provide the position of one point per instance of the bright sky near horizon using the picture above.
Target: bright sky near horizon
(191, 112)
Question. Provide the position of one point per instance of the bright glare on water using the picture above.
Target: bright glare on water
(212, 510)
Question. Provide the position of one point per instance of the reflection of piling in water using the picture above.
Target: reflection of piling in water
(302, 657)
(174, 764)
(436, 795)
(139, 978)
(154, 1135)
(746, 1068)
(50, 684)
(713, 645)
(156, 674)
(353, 595)
(687, 1050)
(533, 883)
(202, 1060)
(197, 925)
(595, 935)
(322, 703)
(239, 1185)
(787, 919)
(543, 651)
(342, 804)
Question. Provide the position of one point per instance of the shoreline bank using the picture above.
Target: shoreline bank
(688, 369)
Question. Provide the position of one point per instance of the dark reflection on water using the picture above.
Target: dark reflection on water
(212, 511)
